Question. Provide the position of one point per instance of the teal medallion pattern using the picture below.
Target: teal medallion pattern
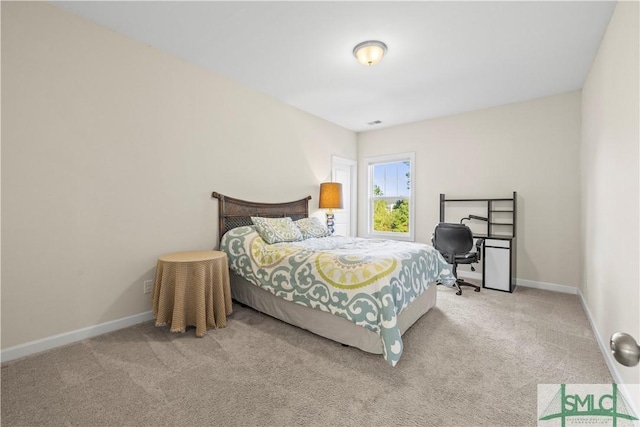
(366, 281)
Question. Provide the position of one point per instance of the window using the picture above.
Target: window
(391, 191)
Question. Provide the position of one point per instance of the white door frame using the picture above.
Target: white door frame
(353, 167)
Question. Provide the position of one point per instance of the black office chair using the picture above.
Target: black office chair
(454, 242)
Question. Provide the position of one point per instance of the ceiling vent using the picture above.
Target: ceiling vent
(375, 122)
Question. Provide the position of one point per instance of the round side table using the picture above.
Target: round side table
(192, 289)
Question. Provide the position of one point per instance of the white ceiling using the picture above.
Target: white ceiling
(443, 58)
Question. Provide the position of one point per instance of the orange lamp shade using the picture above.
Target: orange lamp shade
(330, 195)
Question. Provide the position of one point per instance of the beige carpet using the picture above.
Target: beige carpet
(475, 359)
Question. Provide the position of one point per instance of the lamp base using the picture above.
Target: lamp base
(330, 221)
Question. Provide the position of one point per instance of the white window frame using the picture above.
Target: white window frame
(393, 158)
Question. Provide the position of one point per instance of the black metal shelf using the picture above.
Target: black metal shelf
(491, 211)
(476, 200)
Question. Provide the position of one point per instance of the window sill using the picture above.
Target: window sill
(390, 236)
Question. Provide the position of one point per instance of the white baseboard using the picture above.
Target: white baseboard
(603, 343)
(526, 283)
(54, 341)
(547, 286)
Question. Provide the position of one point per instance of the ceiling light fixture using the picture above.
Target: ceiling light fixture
(370, 52)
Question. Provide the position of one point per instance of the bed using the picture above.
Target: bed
(363, 293)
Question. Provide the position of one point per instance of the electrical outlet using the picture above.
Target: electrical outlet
(148, 286)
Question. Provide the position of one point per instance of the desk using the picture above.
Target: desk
(499, 249)
(192, 289)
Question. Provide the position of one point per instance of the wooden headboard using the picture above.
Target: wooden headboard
(234, 213)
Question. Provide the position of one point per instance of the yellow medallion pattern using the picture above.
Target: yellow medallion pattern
(353, 271)
(269, 255)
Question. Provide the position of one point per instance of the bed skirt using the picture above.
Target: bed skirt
(322, 323)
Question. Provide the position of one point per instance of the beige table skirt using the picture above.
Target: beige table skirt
(192, 289)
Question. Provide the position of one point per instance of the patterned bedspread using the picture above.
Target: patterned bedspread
(366, 281)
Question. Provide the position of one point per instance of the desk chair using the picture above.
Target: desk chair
(454, 242)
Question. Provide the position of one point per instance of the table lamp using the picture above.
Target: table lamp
(330, 199)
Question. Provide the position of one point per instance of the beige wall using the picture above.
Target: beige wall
(610, 190)
(110, 152)
(530, 147)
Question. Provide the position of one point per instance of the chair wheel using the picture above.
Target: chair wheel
(476, 290)
(459, 292)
